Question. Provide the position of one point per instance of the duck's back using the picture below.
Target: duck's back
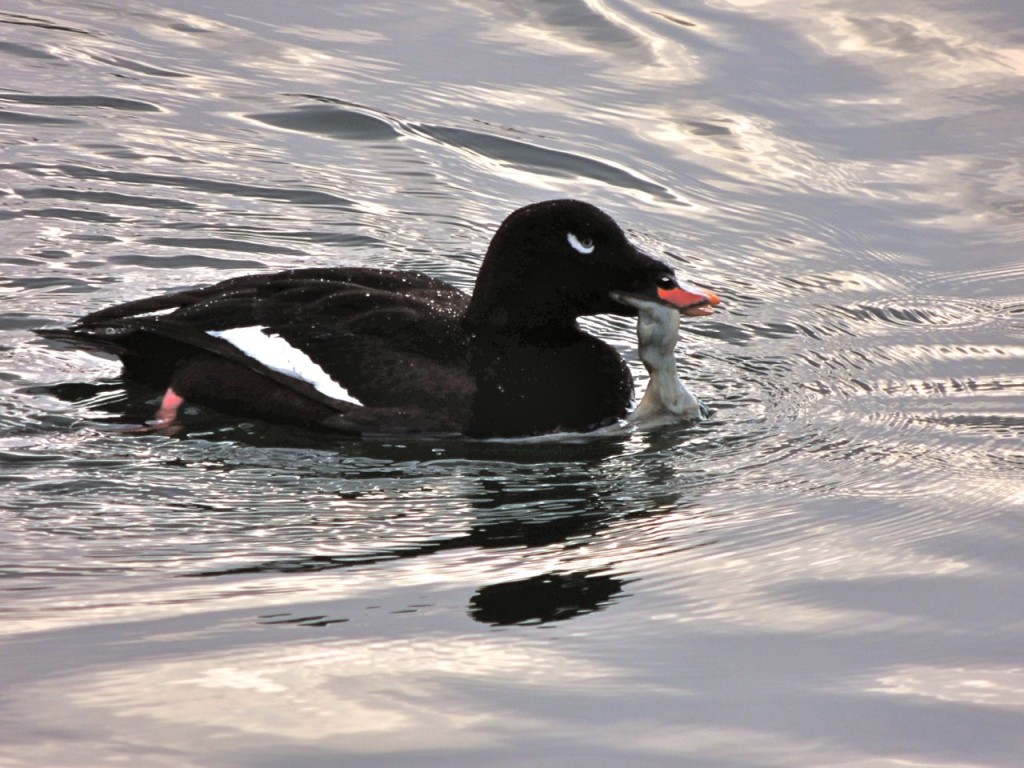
(352, 348)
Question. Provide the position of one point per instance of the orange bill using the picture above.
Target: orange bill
(689, 299)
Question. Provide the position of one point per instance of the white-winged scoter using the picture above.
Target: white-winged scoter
(373, 351)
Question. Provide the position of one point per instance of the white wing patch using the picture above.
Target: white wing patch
(584, 247)
(278, 355)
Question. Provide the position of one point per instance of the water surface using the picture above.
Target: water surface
(826, 572)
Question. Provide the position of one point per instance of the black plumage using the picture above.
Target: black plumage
(415, 354)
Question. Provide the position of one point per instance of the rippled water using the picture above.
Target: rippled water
(827, 572)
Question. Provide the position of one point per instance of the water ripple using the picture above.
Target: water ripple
(841, 535)
(103, 102)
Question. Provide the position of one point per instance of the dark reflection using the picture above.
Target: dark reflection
(558, 498)
(530, 157)
(674, 19)
(496, 534)
(545, 598)
(97, 394)
(297, 196)
(316, 620)
(18, 19)
(577, 21)
(15, 118)
(105, 102)
(328, 120)
(540, 599)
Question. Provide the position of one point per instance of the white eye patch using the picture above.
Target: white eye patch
(584, 246)
(278, 355)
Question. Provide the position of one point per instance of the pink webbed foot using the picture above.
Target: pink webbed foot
(167, 414)
(164, 421)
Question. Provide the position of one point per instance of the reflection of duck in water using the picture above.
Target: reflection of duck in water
(666, 399)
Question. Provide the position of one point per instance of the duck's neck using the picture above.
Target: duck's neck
(525, 317)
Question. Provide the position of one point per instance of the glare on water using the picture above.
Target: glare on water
(825, 570)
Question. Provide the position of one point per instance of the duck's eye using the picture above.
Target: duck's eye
(584, 246)
(666, 283)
